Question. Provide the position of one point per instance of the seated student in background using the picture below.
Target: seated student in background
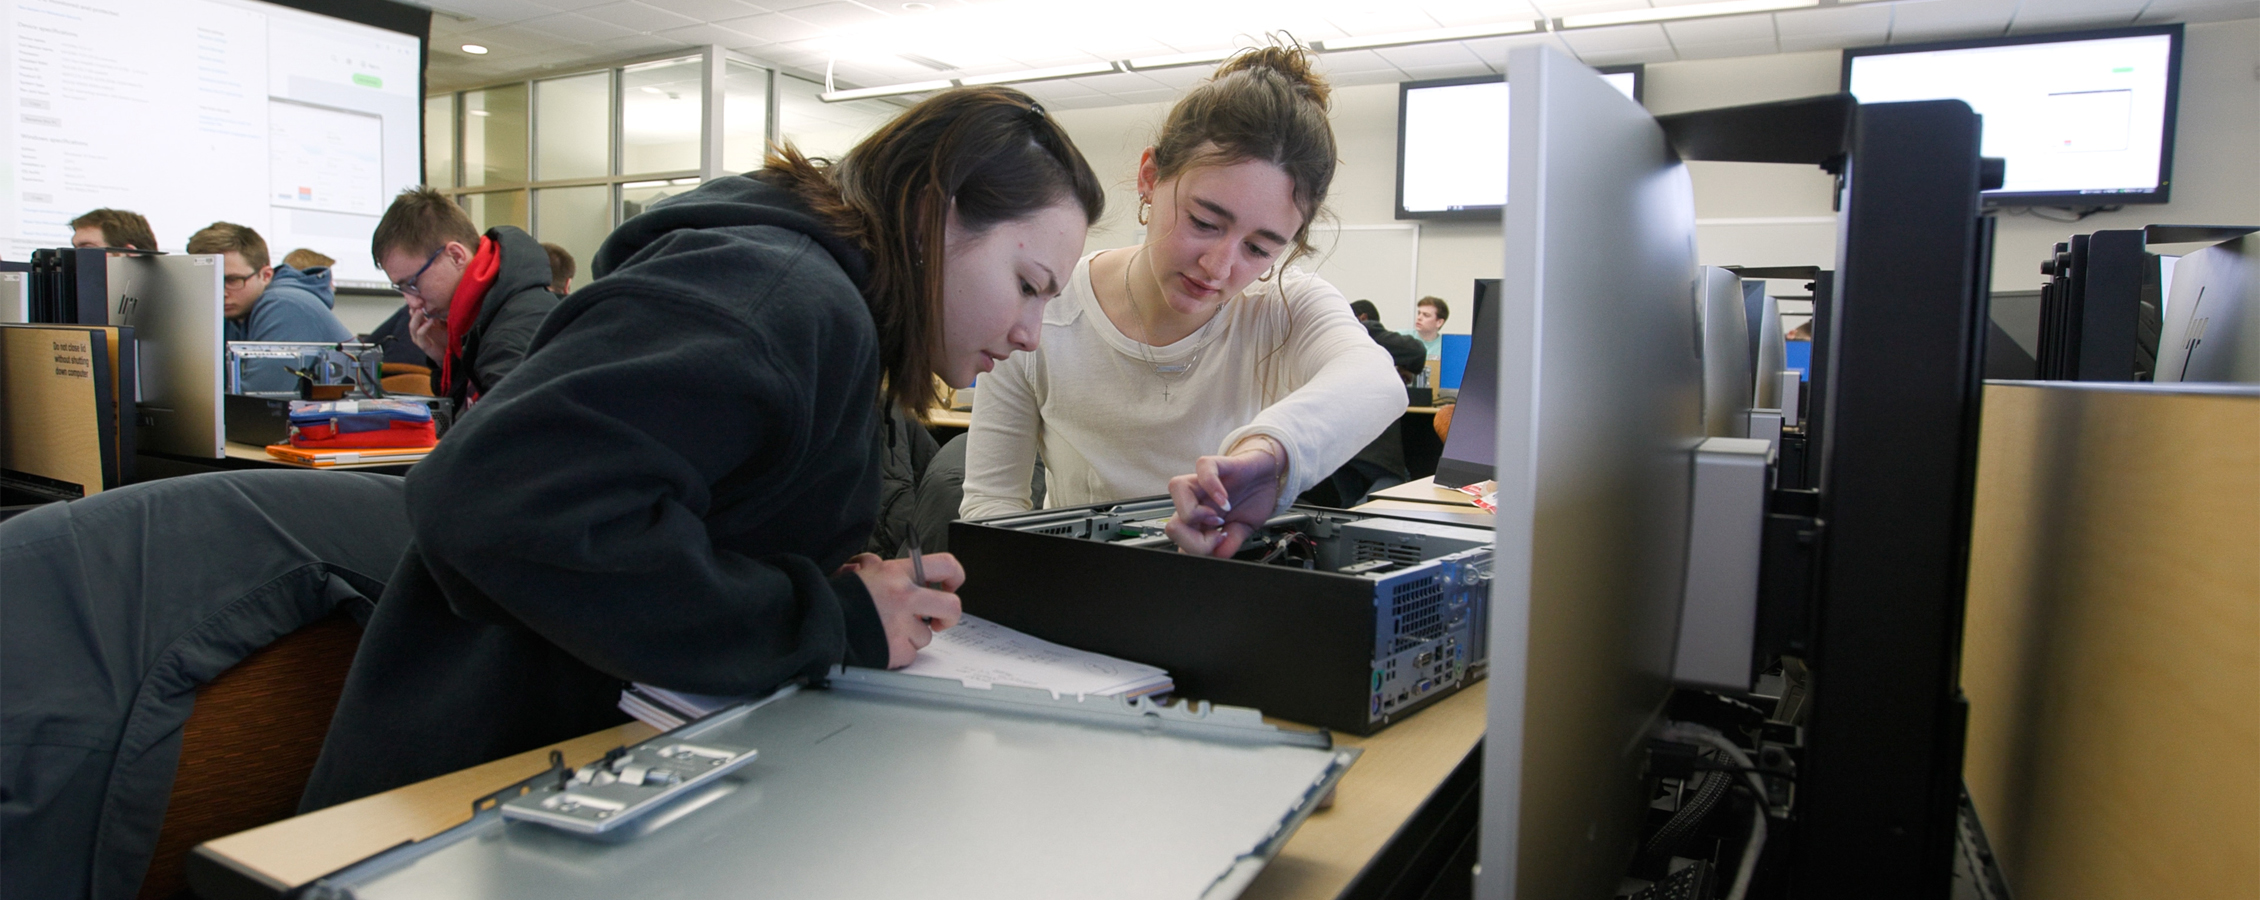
(1199, 363)
(112, 228)
(314, 264)
(474, 300)
(561, 269)
(268, 303)
(1428, 324)
(673, 487)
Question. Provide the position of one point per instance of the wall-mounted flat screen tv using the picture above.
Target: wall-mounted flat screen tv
(1452, 143)
(2083, 118)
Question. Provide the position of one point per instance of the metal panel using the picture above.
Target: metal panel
(1599, 404)
(173, 305)
(875, 788)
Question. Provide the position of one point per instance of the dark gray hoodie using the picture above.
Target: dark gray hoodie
(661, 494)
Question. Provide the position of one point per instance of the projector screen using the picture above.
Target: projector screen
(1452, 144)
(2082, 119)
(299, 125)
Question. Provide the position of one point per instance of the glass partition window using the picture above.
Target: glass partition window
(659, 116)
(575, 218)
(496, 208)
(439, 141)
(745, 116)
(494, 135)
(826, 129)
(573, 127)
(637, 196)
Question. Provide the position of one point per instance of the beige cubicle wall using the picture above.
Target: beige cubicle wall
(2112, 641)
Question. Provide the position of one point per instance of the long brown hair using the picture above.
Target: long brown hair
(991, 150)
(1266, 104)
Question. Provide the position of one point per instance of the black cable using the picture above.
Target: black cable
(1769, 773)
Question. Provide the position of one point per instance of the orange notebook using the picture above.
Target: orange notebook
(324, 458)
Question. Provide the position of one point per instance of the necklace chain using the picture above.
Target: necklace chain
(1145, 345)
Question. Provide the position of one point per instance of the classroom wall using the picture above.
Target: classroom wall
(1746, 213)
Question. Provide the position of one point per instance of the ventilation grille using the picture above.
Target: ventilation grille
(1368, 549)
(1063, 529)
(1417, 607)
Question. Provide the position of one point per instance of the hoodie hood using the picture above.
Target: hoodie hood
(524, 267)
(314, 282)
(732, 201)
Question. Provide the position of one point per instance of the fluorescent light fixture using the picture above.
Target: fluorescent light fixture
(1175, 60)
(1077, 70)
(475, 49)
(1429, 36)
(891, 90)
(480, 112)
(1690, 11)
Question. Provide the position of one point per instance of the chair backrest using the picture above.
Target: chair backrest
(248, 747)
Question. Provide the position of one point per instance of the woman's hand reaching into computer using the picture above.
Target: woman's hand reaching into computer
(1227, 498)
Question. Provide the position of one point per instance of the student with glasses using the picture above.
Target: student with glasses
(268, 303)
(473, 301)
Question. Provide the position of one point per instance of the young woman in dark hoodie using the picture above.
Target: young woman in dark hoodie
(672, 487)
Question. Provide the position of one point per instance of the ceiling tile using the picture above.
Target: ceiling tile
(1646, 37)
(1350, 62)
(2199, 11)
(637, 17)
(1055, 91)
(1721, 37)
(776, 28)
(1828, 29)
(634, 44)
(574, 27)
(708, 34)
(838, 15)
(492, 11)
(572, 5)
(1430, 56)
(1555, 9)
(1182, 78)
(1945, 20)
(1091, 101)
(1046, 57)
(1454, 13)
(710, 10)
(2058, 15)
(1379, 19)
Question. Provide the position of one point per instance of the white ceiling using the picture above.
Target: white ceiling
(879, 42)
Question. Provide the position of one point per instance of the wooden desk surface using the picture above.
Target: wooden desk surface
(949, 418)
(1424, 499)
(1400, 768)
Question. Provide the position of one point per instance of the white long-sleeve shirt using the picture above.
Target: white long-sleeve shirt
(1285, 359)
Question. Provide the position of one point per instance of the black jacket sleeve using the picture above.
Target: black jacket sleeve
(503, 344)
(581, 500)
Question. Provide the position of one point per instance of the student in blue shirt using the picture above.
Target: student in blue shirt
(268, 303)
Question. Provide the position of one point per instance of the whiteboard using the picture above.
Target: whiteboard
(1380, 263)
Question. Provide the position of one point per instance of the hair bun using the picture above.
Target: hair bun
(1288, 60)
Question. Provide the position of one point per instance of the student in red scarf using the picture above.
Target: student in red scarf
(474, 300)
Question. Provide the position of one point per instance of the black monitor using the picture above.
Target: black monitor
(2083, 118)
(1452, 143)
(1471, 447)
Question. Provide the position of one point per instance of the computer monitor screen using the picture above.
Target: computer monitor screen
(2083, 119)
(1452, 144)
(1470, 449)
(300, 125)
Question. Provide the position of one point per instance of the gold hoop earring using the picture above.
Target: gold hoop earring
(1145, 210)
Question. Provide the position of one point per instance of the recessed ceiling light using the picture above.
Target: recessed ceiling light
(648, 89)
(917, 7)
(480, 112)
(475, 49)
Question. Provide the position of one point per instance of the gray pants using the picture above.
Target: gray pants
(115, 608)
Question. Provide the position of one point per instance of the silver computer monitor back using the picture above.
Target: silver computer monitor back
(173, 305)
(2211, 331)
(1728, 386)
(1769, 345)
(1599, 405)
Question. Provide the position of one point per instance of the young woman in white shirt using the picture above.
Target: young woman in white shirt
(1199, 363)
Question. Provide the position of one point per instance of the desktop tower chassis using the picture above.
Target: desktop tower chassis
(1351, 652)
